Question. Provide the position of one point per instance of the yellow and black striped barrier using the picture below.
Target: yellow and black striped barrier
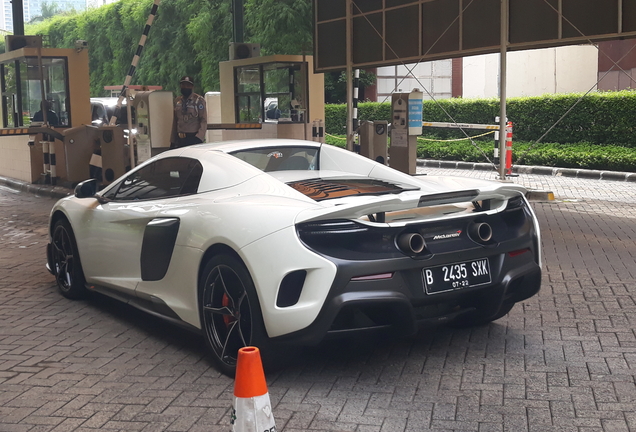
(460, 125)
(31, 131)
(15, 131)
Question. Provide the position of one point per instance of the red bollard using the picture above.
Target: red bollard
(509, 148)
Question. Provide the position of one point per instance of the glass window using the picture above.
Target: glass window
(280, 158)
(271, 92)
(22, 85)
(248, 85)
(249, 108)
(169, 177)
(10, 109)
(98, 114)
(276, 79)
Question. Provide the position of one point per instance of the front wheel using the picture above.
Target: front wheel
(67, 266)
(230, 311)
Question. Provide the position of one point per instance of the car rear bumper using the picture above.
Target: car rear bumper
(400, 304)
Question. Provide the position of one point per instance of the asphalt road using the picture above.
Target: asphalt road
(564, 360)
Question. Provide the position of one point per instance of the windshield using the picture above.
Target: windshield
(280, 158)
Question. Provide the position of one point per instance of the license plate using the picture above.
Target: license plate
(456, 276)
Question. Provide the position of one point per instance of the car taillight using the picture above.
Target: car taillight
(373, 277)
(518, 252)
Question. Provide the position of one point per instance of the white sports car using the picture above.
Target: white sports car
(265, 241)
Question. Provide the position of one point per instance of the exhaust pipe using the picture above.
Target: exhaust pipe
(411, 243)
(480, 231)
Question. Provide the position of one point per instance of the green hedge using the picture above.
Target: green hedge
(578, 155)
(598, 118)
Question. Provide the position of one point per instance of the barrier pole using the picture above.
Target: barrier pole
(135, 61)
(349, 71)
(318, 131)
(52, 160)
(314, 131)
(321, 131)
(503, 34)
(496, 150)
(356, 85)
(47, 162)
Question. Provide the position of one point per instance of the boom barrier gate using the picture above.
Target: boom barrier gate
(507, 157)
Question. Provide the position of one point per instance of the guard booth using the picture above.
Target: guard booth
(281, 92)
(63, 80)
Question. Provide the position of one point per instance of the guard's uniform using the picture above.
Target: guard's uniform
(190, 121)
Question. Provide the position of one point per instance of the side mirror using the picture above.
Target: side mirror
(86, 189)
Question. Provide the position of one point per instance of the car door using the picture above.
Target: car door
(114, 230)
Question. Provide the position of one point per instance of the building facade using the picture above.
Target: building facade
(568, 69)
(617, 65)
(98, 3)
(605, 66)
(530, 73)
(33, 9)
(434, 78)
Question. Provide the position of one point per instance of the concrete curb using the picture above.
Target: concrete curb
(529, 169)
(537, 195)
(36, 189)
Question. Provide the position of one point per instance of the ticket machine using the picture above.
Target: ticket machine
(152, 122)
(406, 125)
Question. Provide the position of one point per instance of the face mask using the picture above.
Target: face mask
(186, 92)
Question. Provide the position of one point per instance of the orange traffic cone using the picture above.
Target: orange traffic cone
(252, 410)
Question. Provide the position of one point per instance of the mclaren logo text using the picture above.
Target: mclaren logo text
(447, 236)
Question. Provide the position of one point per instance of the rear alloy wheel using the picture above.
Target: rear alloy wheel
(230, 313)
(66, 262)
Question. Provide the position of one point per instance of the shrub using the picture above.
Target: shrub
(578, 155)
(597, 118)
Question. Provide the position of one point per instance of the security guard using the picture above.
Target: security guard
(190, 117)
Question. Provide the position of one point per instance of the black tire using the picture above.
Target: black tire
(67, 266)
(477, 319)
(230, 312)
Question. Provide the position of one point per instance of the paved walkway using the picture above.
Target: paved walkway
(563, 361)
(563, 187)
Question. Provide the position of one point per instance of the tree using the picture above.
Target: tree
(280, 26)
(188, 37)
(48, 10)
(336, 85)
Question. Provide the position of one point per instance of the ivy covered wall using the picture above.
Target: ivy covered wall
(188, 37)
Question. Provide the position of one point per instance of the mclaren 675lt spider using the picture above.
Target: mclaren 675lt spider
(262, 242)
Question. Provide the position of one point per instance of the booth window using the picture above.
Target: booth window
(22, 92)
(249, 95)
(272, 92)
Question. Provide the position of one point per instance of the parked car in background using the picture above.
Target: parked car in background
(103, 108)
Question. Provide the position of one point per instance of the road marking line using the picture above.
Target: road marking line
(8, 189)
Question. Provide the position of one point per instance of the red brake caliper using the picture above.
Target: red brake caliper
(226, 303)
